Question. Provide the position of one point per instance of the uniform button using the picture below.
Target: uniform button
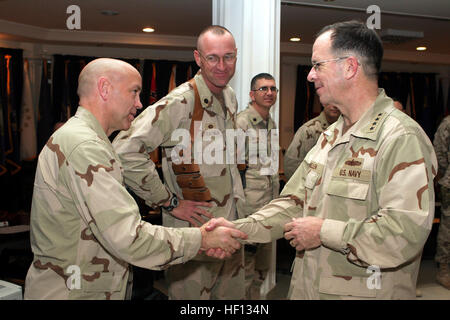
(210, 126)
(374, 123)
(205, 101)
(377, 119)
(254, 119)
(371, 128)
(379, 114)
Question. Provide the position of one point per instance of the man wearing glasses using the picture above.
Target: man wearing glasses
(260, 187)
(360, 207)
(196, 189)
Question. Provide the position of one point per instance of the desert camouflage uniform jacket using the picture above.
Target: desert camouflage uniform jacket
(261, 187)
(305, 138)
(442, 147)
(374, 188)
(83, 221)
(157, 126)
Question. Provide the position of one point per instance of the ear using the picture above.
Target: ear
(351, 67)
(197, 58)
(103, 88)
(252, 95)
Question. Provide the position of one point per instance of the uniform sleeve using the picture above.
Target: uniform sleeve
(397, 230)
(267, 224)
(441, 146)
(149, 130)
(93, 178)
(297, 151)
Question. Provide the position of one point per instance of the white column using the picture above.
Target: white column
(255, 25)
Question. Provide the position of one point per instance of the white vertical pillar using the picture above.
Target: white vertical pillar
(255, 25)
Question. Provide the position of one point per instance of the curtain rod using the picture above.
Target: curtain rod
(328, 6)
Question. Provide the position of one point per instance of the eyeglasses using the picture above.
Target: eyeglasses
(266, 89)
(318, 64)
(213, 59)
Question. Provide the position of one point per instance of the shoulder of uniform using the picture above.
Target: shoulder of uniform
(242, 120)
(312, 122)
(182, 95)
(394, 124)
(74, 140)
(375, 121)
(243, 113)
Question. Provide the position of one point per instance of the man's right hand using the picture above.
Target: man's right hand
(192, 212)
(224, 237)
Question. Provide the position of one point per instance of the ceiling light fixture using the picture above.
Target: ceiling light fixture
(295, 39)
(421, 48)
(148, 30)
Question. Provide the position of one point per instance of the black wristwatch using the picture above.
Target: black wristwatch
(174, 202)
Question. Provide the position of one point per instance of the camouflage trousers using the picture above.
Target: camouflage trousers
(208, 280)
(443, 238)
(257, 265)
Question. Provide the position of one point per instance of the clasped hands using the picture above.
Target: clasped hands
(302, 234)
(220, 238)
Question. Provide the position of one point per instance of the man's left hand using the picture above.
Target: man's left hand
(303, 233)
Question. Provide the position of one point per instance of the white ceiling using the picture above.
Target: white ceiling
(177, 22)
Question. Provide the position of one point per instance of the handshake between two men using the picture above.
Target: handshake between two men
(220, 238)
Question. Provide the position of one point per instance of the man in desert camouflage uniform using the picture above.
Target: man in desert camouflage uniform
(442, 147)
(360, 207)
(306, 137)
(85, 227)
(162, 124)
(261, 176)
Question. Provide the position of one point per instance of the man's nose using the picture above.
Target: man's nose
(311, 75)
(221, 63)
(138, 103)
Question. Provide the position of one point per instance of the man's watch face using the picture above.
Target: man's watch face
(174, 202)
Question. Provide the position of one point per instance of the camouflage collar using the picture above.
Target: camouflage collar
(209, 102)
(86, 116)
(255, 118)
(369, 124)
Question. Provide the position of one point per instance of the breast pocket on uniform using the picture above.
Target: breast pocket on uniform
(348, 189)
(314, 175)
(311, 179)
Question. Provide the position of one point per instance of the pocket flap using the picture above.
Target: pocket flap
(348, 189)
(311, 179)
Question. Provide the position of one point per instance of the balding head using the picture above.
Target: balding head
(110, 89)
(215, 30)
(103, 67)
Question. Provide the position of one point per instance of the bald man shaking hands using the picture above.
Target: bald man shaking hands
(86, 229)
